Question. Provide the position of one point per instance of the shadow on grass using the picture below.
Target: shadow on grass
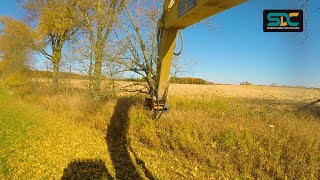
(311, 108)
(119, 145)
(306, 107)
(120, 152)
(86, 169)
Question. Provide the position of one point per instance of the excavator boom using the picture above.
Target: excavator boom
(177, 15)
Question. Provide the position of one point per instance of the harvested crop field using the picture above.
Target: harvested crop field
(245, 91)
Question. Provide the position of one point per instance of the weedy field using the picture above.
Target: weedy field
(211, 132)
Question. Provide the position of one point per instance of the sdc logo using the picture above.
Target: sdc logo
(282, 20)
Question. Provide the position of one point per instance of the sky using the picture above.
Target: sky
(240, 51)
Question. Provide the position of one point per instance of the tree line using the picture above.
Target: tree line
(96, 37)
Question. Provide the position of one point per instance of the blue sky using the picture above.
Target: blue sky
(241, 51)
(10, 8)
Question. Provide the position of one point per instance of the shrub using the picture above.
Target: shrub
(18, 83)
(245, 83)
(187, 80)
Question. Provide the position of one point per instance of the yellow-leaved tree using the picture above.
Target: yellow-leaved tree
(15, 47)
(56, 25)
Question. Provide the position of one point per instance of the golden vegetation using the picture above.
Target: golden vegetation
(84, 127)
(15, 48)
(207, 135)
(189, 80)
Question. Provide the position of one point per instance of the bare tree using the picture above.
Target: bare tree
(181, 67)
(83, 56)
(111, 67)
(98, 18)
(308, 10)
(141, 54)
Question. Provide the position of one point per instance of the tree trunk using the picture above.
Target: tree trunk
(97, 75)
(56, 58)
(55, 81)
(90, 72)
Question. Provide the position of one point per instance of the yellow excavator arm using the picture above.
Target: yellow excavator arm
(177, 15)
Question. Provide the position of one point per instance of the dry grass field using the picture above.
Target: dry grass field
(211, 132)
(246, 91)
(238, 91)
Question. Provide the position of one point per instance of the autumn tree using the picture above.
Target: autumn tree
(15, 41)
(141, 54)
(56, 25)
(98, 18)
(180, 66)
(81, 54)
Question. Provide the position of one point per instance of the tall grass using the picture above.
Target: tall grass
(208, 137)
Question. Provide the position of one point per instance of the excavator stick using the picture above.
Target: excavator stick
(177, 15)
